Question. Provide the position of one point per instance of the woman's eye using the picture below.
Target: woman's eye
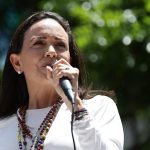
(39, 43)
(61, 45)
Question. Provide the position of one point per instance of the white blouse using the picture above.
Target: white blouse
(102, 131)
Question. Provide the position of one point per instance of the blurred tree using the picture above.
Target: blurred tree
(114, 37)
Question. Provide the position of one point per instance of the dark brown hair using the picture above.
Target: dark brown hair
(14, 91)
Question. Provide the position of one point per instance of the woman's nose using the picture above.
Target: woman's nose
(51, 52)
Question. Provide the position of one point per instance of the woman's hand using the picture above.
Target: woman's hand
(63, 69)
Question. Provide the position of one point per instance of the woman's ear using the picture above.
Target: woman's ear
(16, 63)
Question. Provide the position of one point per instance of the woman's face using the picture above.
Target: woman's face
(44, 42)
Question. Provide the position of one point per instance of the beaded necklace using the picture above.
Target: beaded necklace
(39, 138)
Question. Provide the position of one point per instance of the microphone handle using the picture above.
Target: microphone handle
(67, 88)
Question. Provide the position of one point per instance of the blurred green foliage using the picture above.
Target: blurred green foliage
(114, 37)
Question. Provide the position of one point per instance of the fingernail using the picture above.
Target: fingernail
(48, 67)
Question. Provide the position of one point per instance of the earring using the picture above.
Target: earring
(19, 72)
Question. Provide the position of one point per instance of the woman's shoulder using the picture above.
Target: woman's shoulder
(99, 100)
(7, 122)
(100, 103)
(8, 132)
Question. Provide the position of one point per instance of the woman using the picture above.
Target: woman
(35, 113)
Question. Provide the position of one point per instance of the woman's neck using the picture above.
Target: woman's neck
(42, 97)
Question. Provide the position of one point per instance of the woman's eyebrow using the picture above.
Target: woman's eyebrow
(38, 38)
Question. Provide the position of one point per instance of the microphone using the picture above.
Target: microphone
(66, 86)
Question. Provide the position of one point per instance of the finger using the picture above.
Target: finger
(61, 67)
(61, 62)
(65, 73)
(49, 72)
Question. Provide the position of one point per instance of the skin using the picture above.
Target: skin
(43, 59)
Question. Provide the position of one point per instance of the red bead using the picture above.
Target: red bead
(43, 128)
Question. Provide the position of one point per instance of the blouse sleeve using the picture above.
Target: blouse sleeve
(102, 130)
